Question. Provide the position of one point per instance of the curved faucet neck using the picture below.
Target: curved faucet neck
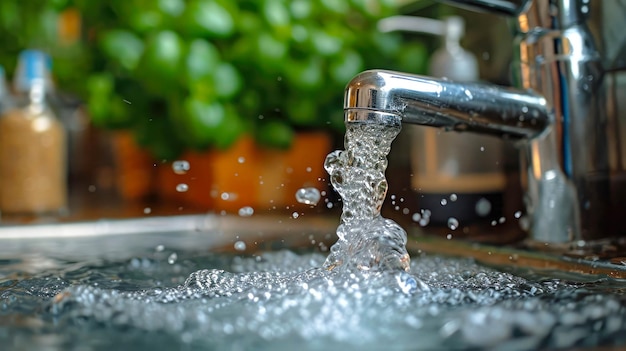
(551, 15)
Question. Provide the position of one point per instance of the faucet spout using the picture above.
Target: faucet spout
(388, 97)
(391, 97)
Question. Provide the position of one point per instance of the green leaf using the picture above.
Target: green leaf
(202, 60)
(123, 47)
(162, 60)
(227, 80)
(275, 133)
(208, 18)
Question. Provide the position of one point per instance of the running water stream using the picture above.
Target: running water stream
(367, 241)
(366, 294)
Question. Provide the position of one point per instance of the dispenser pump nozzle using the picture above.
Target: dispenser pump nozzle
(450, 61)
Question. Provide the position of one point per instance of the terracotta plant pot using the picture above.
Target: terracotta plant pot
(243, 175)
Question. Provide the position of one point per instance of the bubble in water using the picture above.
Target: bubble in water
(159, 248)
(229, 196)
(246, 211)
(241, 159)
(416, 217)
(308, 196)
(449, 236)
(444, 202)
(453, 223)
(147, 210)
(453, 197)
(182, 187)
(295, 215)
(483, 207)
(482, 148)
(180, 167)
(518, 214)
(172, 258)
(240, 246)
(406, 282)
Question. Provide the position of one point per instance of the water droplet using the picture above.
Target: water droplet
(453, 223)
(172, 258)
(468, 94)
(329, 205)
(240, 246)
(180, 167)
(241, 159)
(501, 220)
(443, 202)
(159, 248)
(295, 215)
(416, 217)
(246, 211)
(308, 196)
(309, 169)
(453, 197)
(482, 148)
(147, 210)
(225, 196)
(483, 207)
(182, 187)
(449, 236)
(518, 214)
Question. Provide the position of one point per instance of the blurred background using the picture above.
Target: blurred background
(178, 106)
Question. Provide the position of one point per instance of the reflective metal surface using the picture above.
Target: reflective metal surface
(505, 7)
(390, 97)
(571, 181)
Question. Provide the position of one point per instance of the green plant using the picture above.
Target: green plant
(199, 73)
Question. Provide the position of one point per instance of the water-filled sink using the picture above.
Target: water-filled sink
(226, 282)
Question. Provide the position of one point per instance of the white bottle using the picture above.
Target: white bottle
(5, 98)
(459, 175)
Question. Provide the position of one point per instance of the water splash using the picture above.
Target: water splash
(308, 196)
(367, 241)
(181, 166)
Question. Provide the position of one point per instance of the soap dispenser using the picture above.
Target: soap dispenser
(459, 177)
(5, 97)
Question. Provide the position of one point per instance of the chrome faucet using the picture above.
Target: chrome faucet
(558, 113)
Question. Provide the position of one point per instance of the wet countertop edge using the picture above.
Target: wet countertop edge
(265, 224)
(501, 256)
(272, 227)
